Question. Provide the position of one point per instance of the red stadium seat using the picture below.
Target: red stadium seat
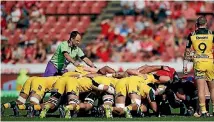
(59, 26)
(85, 9)
(9, 5)
(17, 32)
(69, 26)
(51, 9)
(7, 32)
(47, 25)
(74, 19)
(73, 9)
(35, 25)
(89, 3)
(43, 4)
(63, 19)
(101, 3)
(51, 19)
(56, 3)
(78, 3)
(52, 32)
(67, 3)
(85, 19)
(96, 9)
(41, 33)
(62, 9)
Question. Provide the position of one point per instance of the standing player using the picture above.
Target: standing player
(202, 41)
(67, 52)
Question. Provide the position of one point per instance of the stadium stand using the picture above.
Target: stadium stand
(110, 29)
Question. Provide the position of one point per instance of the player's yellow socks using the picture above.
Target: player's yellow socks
(7, 105)
(70, 107)
(203, 108)
(129, 107)
(77, 108)
(47, 106)
(37, 107)
(22, 107)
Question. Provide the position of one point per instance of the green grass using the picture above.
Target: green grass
(54, 117)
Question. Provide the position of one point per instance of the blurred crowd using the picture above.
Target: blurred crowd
(148, 31)
(17, 18)
(142, 31)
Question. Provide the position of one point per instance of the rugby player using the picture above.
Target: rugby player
(34, 89)
(202, 42)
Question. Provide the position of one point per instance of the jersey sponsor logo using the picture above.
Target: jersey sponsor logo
(201, 37)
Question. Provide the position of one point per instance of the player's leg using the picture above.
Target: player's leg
(120, 99)
(133, 89)
(21, 100)
(72, 93)
(58, 90)
(37, 94)
(210, 77)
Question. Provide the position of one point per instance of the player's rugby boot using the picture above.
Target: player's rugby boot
(15, 110)
(61, 111)
(30, 112)
(127, 112)
(67, 113)
(108, 111)
(43, 113)
(2, 110)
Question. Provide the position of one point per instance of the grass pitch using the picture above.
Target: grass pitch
(55, 117)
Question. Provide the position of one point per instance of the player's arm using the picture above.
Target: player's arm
(149, 69)
(187, 54)
(146, 69)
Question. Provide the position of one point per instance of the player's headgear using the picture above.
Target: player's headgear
(73, 34)
(201, 21)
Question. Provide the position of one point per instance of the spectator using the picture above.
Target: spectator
(7, 53)
(17, 56)
(139, 24)
(30, 53)
(36, 15)
(40, 55)
(16, 14)
(127, 7)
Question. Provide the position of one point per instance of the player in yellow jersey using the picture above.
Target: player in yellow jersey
(147, 97)
(202, 42)
(126, 87)
(34, 89)
(72, 87)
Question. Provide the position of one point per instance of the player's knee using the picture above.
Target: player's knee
(90, 98)
(34, 100)
(120, 105)
(136, 101)
(21, 100)
(73, 101)
(108, 99)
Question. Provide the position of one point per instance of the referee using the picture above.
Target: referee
(67, 52)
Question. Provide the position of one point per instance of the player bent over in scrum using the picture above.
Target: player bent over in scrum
(147, 97)
(126, 86)
(34, 88)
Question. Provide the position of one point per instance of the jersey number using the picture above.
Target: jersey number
(202, 46)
